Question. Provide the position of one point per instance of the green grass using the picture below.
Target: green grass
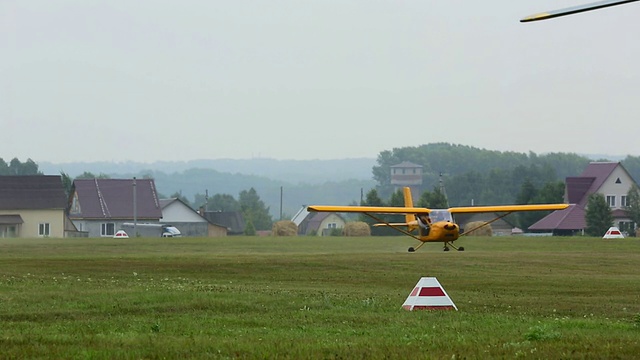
(329, 298)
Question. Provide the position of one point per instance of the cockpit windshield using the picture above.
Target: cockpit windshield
(440, 215)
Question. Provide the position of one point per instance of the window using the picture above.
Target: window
(332, 226)
(611, 200)
(108, 229)
(43, 229)
(624, 201)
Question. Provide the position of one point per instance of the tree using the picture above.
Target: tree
(254, 210)
(67, 183)
(90, 175)
(223, 202)
(15, 167)
(433, 200)
(178, 195)
(249, 229)
(29, 167)
(598, 216)
(527, 193)
(397, 198)
(551, 193)
(633, 206)
(372, 199)
(4, 167)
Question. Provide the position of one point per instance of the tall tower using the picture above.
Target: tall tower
(407, 174)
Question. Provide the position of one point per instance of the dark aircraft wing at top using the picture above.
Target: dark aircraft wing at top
(575, 9)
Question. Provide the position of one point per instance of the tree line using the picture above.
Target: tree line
(484, 177)
(15, 167)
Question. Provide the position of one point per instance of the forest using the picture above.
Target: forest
(485, 177)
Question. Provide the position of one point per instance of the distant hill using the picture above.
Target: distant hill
(343, 181)
(303, 182)
(293, 171)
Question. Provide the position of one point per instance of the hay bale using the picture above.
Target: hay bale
(284, 228)
(356, 228)
(480, 230)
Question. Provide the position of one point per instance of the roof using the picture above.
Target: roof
(571, 218)
(599, 171)
(316, 219)
(406, 164)
(232, 220)
(113, 199)
(577, 188)
(166, 202)
(32, 192)
(11, 219)
(300, 215)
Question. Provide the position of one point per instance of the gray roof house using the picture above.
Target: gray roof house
(610, 179)
(33, 206)
(100, 206)
(232, 220)
(190, 223)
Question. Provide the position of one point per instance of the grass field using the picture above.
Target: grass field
(329, 298)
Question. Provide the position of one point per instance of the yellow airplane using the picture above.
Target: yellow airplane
(433, 225)
(575, 9)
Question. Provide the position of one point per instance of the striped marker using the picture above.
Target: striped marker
(428, 294)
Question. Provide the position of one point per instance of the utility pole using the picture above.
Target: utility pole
(442, 189)
(135, 209)
(281, 202)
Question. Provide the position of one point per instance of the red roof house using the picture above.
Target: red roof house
(610, 179)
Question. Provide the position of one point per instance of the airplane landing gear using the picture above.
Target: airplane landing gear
(411, 249)
(447, 244)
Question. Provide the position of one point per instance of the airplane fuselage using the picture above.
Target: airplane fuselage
(441, 231)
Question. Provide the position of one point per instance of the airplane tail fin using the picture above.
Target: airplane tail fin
(410, 219)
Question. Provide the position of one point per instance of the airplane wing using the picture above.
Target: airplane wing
(575, 9)
(369, 209)
(506, 208)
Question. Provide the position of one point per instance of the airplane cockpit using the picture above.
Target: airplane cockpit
(440, 215)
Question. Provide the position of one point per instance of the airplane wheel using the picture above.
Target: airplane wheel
(446, 248)
(411, 249)
(461, 248)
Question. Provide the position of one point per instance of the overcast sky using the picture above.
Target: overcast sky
(151, 80)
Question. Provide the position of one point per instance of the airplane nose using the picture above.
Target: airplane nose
(449, 227)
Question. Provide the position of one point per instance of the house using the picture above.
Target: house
(232, 220)
(33, 206)
(100, 206)
(318, 223)
(187, 220)
(610, 179)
